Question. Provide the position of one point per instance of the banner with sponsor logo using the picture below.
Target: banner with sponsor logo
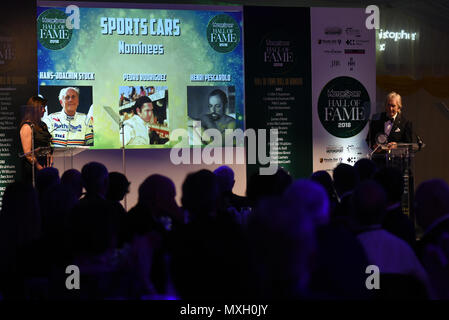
(343, 85)
(277, 71)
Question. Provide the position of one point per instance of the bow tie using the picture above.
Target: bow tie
(390, 119)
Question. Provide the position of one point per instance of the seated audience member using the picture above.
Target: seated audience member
(345, 180)
(150, 223)
(432, 210)
(92, 233)
(73, 179)
(200, 193)
(155, 203)
(432, 215)
(58, 202)
(281, 246)
(95, 179)
(435, 259)
(208, 257)
(118, 186)
(383, 249)
(344, 279)
(282, 180)
(308, 197)
(46, 178)
(365, 169)
(259, 186)
(263, 186)
(225, 179)
(395, 221)
(92, 236)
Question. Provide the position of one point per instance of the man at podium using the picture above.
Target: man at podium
(389, 127)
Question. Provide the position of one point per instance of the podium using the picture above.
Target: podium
(401, 156)
(67, 153)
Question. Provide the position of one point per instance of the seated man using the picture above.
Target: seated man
(68, 127)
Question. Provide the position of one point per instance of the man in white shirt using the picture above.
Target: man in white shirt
(137, 128)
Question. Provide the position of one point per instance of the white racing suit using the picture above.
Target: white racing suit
(70, 131)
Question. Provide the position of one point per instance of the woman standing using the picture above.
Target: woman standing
(33, 128)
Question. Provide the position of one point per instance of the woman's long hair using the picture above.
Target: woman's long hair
(32, 111)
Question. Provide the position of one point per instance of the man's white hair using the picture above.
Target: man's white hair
(63, 92)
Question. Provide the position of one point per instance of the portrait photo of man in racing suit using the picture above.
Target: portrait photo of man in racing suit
(68, 127)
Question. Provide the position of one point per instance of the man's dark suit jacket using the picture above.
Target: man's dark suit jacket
(401, 131)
